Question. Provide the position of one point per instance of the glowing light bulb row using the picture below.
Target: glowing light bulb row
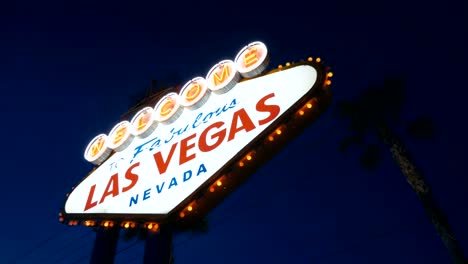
(245, 159)
(152, 226)
(249, 62)
(218, 183)
(289, 64)
(187, 210)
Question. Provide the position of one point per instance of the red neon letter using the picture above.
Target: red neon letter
(246, 122)
(160, 163)
(90, 204)
(184, 147)
(114, 184)
(219, 135)
(131, 176)
(272, 109)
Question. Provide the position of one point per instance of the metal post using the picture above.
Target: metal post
(105, 246)
(158, 246)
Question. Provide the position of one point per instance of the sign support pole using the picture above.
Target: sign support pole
(158, 246)
(105, 245)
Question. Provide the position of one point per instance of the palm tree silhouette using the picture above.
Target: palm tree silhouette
(378, 110)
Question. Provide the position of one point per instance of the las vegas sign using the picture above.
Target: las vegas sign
(158, 165)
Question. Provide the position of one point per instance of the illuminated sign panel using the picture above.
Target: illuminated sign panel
(155, 173)
(193, 146)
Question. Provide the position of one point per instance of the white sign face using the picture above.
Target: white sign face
(156, 173)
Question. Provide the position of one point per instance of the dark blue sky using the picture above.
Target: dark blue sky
(68, 71)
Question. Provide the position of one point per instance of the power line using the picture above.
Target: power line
(134, 256)
(74, 249)
(128, 247)
(39, 245)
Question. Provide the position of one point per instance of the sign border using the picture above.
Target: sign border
(319, 93)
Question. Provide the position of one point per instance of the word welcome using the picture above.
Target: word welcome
(249, 62)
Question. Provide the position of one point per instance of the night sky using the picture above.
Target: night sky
(69, 70)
